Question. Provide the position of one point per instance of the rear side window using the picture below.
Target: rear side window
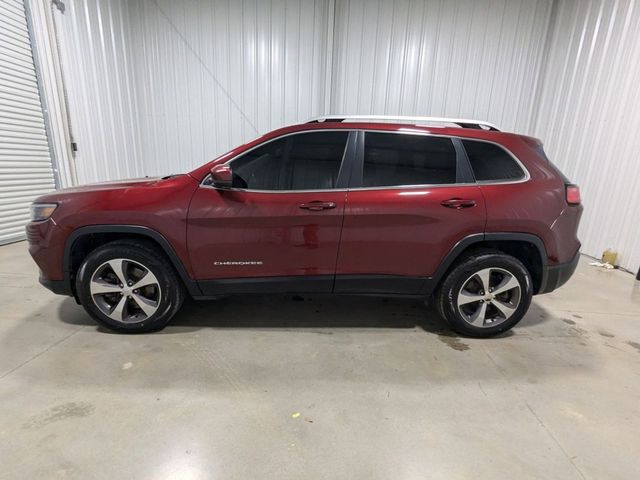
(491, 162)
(392, 159)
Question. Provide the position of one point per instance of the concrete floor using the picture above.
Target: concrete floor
(317, 387)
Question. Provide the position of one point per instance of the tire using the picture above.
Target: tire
(469, 309)
(102, 291)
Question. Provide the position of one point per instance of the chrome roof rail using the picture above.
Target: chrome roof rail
(460, 122)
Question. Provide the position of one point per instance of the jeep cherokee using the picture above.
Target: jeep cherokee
(455, 211)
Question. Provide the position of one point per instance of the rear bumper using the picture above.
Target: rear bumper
(557, 275)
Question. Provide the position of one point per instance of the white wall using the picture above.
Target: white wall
(94, 42)
(589, 118)
(159, 87)
(465, 58)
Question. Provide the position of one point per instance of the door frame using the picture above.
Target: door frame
(283, 284)
(398, 285)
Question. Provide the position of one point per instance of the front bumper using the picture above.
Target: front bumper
(59, 287)
(46, 248)
(557, 275)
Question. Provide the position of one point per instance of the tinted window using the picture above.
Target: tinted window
(306, 161)
(491, 162)
(392, 159)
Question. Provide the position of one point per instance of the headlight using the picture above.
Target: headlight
(42, 211)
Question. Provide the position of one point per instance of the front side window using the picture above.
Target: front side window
(392, 159)
(304, 161)
(491, 162)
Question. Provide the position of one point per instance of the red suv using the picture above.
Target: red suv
(477, 219)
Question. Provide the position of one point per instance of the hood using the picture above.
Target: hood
(113, 185)
(117, 187)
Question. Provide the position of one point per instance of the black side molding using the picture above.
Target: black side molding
(190, 284)
(266, 285)
(378, 284)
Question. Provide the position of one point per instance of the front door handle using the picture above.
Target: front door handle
(317, 205)
(458, 203)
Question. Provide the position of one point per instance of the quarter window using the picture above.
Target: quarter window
(304, 161)
(491, 162)
(392, 159)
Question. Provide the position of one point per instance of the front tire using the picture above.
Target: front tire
(129, 286)
(486, 294)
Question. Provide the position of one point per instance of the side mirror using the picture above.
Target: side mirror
(221, 176)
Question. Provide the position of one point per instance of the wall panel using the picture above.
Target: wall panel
(477, 59)
(589, 118)
(158, 87)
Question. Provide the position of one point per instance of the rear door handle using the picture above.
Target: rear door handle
(317, 205)
(458, 203)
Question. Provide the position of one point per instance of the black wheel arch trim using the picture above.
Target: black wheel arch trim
(190, 284)
(469, 240)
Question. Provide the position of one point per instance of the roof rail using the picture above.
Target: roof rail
(460, 122)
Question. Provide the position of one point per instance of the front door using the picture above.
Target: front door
(413, 199)
(278, 228)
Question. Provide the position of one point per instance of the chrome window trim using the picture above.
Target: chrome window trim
(232, 189)
(525, 178)
(415, 187)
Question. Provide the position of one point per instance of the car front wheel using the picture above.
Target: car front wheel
(129, 286)
(486, 294)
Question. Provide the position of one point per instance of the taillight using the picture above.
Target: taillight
(573, 194)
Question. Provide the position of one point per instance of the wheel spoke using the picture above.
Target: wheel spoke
(478, 317)
(148, 279)
(505, 308)
(508, 283)
(465, 298)
(483, 276)
(100, 287)
(118, 311)
(149, 307)
(118, 267)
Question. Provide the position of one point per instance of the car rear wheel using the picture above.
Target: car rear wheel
(486, 294)
(129, 286)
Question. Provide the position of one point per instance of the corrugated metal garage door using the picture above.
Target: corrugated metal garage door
(25, 162)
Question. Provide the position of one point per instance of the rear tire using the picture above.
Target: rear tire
(129, 286)
(485, 294)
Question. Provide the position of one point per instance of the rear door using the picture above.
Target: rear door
(278, 228)
(412, 198)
